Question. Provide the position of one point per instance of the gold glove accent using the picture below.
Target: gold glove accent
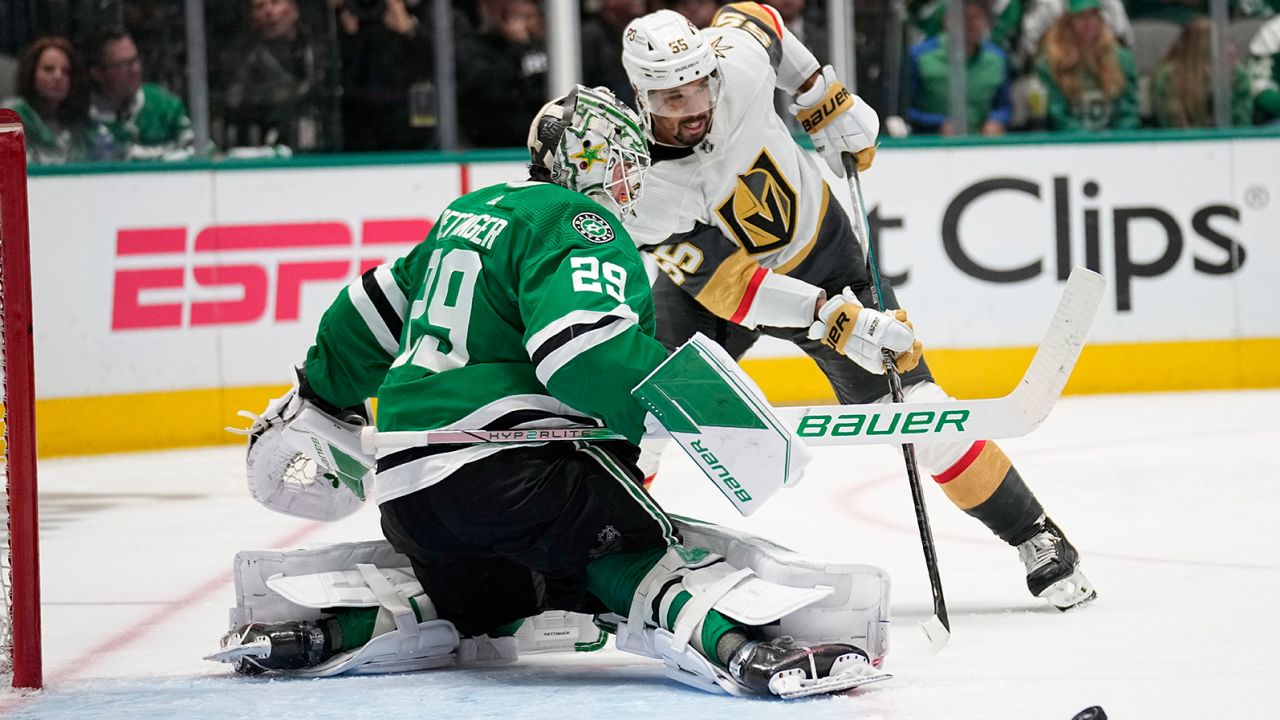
(865, 157)
(840, 327)
(837, 100)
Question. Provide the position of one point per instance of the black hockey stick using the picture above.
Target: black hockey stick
(938, 627)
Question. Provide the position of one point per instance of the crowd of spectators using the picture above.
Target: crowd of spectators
(104, 112)
(1082, 65)
(288, 76)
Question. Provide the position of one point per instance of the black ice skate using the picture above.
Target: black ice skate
(1053, 567)
(256, 648)
(777, 667)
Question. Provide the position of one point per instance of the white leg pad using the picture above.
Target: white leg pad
(424, 646)
(280, 586)
(758, 583)
(275, 586)
(680, 661)
(818, 602)
(345, 588)
(854, 611)
(256, 601)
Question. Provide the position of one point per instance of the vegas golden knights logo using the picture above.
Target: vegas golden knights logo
(761, 211)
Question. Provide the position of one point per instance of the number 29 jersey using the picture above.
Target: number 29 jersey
(526, 306)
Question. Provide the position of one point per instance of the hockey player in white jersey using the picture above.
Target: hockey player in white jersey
(526, 308)
(741, 223)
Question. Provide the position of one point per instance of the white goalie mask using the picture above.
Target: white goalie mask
(590, 142)
(672, 66)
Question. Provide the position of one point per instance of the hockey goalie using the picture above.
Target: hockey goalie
(527, 308)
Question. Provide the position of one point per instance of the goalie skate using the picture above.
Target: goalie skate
(778, 668)
(259, 647)
(239, 650)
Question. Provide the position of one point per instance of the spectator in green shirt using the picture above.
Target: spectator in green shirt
(929, 17)
(1264, 72)
(130, 119)
(986, 73)
(1182, 85)
(52, 101)
(1041, 15)
(1091, 79)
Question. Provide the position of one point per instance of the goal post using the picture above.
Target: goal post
(20, 574)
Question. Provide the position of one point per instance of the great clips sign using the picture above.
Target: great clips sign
(1149, 216)
(1075, 222)
(177, 277)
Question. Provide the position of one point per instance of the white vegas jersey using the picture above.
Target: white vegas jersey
(748, 198)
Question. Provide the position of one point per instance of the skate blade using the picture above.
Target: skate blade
(827, 685)
(233, 653)
(849, 675)
(1070, 592)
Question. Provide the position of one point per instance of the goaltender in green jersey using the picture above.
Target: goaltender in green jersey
(528, 306)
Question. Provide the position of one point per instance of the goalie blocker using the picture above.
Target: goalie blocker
(784, 593)
(721, 419)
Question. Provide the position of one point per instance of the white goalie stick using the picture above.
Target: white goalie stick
(1013, 415)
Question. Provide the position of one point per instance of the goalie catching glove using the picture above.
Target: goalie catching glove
(838, 122)
(862, 334)
(305, 457)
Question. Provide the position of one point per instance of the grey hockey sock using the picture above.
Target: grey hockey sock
(728, 644)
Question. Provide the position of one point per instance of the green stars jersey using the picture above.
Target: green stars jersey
(154, 125)
(526, 306)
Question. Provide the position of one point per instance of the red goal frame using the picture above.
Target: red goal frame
(19, 408)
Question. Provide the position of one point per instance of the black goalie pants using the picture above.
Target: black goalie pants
(510, 535)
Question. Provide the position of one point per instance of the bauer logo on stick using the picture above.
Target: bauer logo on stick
(593, 227)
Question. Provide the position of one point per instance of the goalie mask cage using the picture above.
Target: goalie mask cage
(19, 565)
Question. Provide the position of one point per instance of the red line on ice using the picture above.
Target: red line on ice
(141, 629)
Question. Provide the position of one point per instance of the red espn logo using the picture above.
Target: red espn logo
(275, 268)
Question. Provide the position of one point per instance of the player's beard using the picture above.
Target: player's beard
(691, 130)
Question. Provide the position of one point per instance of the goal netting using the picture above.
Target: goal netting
(19, 567)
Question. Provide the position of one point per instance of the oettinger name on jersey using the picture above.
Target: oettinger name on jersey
(478, 228)
(172, 277)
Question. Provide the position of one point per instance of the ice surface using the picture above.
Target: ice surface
(1172, 500)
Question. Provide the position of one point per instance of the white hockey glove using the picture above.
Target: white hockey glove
(862, 334)
(838, 121)
(305, 457)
